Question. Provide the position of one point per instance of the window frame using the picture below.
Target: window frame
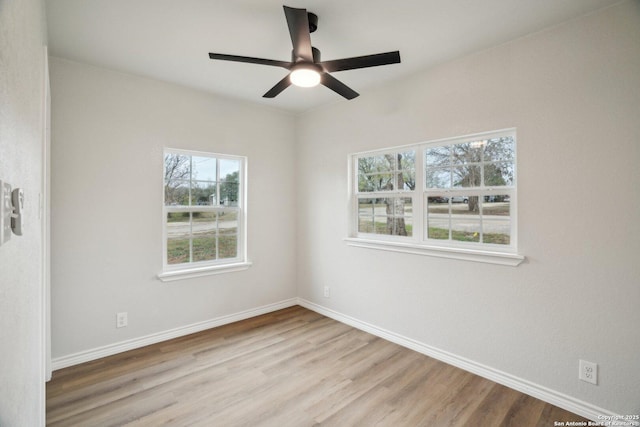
(418, 242)
(192, 268)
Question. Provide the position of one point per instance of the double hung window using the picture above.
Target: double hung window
(458, 194)
(204, 213)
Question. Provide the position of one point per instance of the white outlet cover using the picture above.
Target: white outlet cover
(121, 320)
(588, 371)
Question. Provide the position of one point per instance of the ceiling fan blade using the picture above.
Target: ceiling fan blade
(361, 61)
(298, 23)
(337, 86)
(250, 60)
(279, 87)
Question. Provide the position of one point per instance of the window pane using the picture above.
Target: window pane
(204, 222)
(496, 222)
(178, 241)
(498, 174)
(406, 179)
(204, 248)
(177, 168)
(496, 205)
(366, 211)
(465, 218)
(229, 170)
(366, 224)
(438, 228)
(397, 216)
(395, 226)
(399, 211)
(469, 152)
(390, 215)
(439, 203)
(176, 193)
(407, 160)
(177, 251)
(228, 223)
(380, 217)
(376, 182)
(459, 199)
(203, 230)
(437, 218)
(499, 149)
(438, 156)
(439, 178)
(496, 231)
(398, 206)
(203, 193)
(229, 193)
(178, 224)
(228, 246)
(376, 164)
(203, 168)
(402, 226)
(466, 176)
(465, 231)
(366, 207)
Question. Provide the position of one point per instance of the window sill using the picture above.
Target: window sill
(170, 276)
(499, 258)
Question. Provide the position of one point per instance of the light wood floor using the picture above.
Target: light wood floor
(292, 367)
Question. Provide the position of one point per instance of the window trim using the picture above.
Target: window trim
(418, 243)
(465, 254)
(189, 273)
(172, 272)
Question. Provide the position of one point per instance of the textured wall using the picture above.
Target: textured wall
(108, 134)
(22, 38)
(573, 93)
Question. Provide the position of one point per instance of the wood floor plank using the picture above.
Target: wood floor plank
(293, 367)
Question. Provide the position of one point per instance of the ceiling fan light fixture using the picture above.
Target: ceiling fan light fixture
(305, 76)
(305, 68)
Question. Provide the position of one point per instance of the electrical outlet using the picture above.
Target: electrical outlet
(121, 320)
(327, 292)
(588, 372)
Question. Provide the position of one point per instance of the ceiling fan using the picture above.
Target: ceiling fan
(306, 68)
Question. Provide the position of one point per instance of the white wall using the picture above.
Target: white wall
(22, 59)
(573, 93)
(108, 134)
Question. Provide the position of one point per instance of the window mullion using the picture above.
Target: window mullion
(418, 196)
(218, 182)
(191, 236)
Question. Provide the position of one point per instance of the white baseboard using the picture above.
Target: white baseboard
(111, 349)
(545, 394)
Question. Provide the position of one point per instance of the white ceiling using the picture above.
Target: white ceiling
(170, 40)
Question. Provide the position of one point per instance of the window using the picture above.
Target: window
(385, 185)
(204, 216)
(456, 194)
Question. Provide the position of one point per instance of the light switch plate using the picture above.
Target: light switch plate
(6, 209)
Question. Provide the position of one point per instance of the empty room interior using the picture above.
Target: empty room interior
(442, 229)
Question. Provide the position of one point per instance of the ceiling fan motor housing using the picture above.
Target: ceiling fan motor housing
(313, 21)
(315, 52)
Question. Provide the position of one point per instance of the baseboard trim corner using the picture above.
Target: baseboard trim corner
(132, 344)
(545, 394)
